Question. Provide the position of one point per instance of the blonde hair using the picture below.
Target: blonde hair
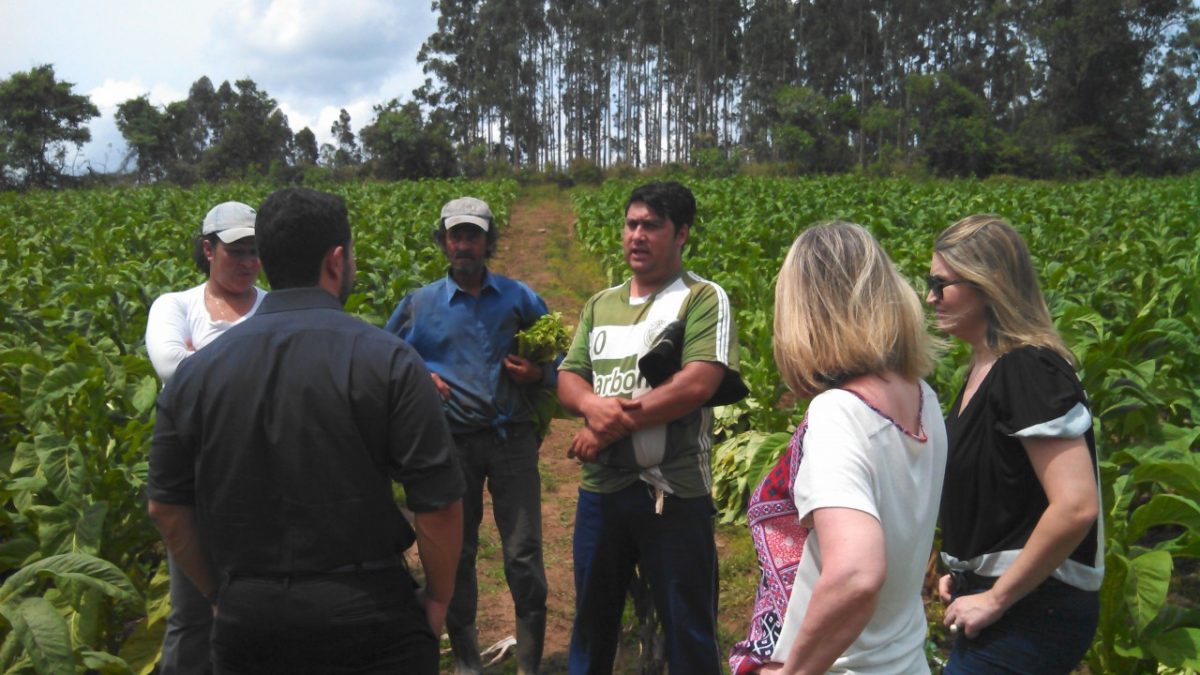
(992, 256)
(842, 310)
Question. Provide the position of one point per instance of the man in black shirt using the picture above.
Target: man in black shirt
(271, 469)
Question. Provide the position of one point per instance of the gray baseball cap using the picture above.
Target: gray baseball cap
(230, 221)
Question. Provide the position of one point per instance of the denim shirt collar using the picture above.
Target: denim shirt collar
(453, 289)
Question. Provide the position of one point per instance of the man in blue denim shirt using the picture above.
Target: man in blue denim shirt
(463, 326)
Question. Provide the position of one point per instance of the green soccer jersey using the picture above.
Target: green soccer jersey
(614, 332)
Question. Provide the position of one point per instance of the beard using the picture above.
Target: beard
(467, 266)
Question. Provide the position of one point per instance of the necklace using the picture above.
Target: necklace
(221, 308)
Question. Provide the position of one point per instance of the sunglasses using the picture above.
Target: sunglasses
(937, 285)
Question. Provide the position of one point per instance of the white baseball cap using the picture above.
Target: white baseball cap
(230, 221)
(467, 210)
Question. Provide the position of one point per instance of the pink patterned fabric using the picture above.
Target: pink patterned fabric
(779, 541)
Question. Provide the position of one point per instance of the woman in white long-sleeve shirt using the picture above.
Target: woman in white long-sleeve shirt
(184, 321)
(180, 323)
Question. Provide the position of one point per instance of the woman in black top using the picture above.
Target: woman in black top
(1020, 529)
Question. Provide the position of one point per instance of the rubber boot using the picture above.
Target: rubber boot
(531, 635)
(465, 645)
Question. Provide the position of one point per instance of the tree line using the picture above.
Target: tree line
(230, 131)
(956, 87)
(1052, 88)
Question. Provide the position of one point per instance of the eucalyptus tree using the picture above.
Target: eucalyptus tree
(1176, 132)
(770, 60)
(304, 148)
(1095, 58)
(347, 154)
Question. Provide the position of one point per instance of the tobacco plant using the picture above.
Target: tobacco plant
(84, 586)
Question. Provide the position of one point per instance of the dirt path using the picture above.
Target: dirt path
(538, 248)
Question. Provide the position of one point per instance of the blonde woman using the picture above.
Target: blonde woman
(844, 524)
(1020, 531)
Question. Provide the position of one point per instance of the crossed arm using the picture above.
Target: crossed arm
(611, 419)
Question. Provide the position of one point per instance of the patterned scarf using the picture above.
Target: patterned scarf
(779, 541)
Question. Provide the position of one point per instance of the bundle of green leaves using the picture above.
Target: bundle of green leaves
(545, 339)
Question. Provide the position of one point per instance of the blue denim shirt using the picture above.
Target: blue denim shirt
(464, 339)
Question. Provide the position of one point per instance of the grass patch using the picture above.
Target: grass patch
(576, 274)
(739, 578)
(550, 482)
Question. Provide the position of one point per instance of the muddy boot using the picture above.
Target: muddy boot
(465, 646)
(531, 634)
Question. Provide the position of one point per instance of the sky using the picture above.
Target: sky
(314, 57)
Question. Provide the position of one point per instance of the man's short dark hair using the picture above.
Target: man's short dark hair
(294, 230)
(670, 200)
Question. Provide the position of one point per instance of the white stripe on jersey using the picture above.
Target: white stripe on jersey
(620, 341)
(724, 319)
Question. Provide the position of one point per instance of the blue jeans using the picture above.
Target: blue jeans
(1046, 632)
(676, 553)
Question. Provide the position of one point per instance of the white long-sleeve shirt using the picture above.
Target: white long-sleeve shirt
(178, 317)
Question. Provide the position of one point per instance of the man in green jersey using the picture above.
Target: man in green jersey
(645, 495)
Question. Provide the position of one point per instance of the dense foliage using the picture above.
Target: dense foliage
(82, 569)
(1121, 270)
(545, 339)
(230, 131)
(39, 118)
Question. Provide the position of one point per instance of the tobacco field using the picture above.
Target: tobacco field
(1119, 262)
(82, 584)
(83, 572)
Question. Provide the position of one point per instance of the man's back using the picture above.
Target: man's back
(290, 421)
(284, 435)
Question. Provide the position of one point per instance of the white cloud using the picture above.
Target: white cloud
(314, 57)
(112, 93)
(321, 48)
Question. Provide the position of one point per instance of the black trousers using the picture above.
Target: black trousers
(353, 622)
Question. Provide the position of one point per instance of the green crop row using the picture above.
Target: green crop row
(79, 559)
(1120, 265)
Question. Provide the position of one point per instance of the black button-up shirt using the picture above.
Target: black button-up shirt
(284, 434)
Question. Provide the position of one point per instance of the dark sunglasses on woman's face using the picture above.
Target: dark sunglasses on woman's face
(937, 285)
